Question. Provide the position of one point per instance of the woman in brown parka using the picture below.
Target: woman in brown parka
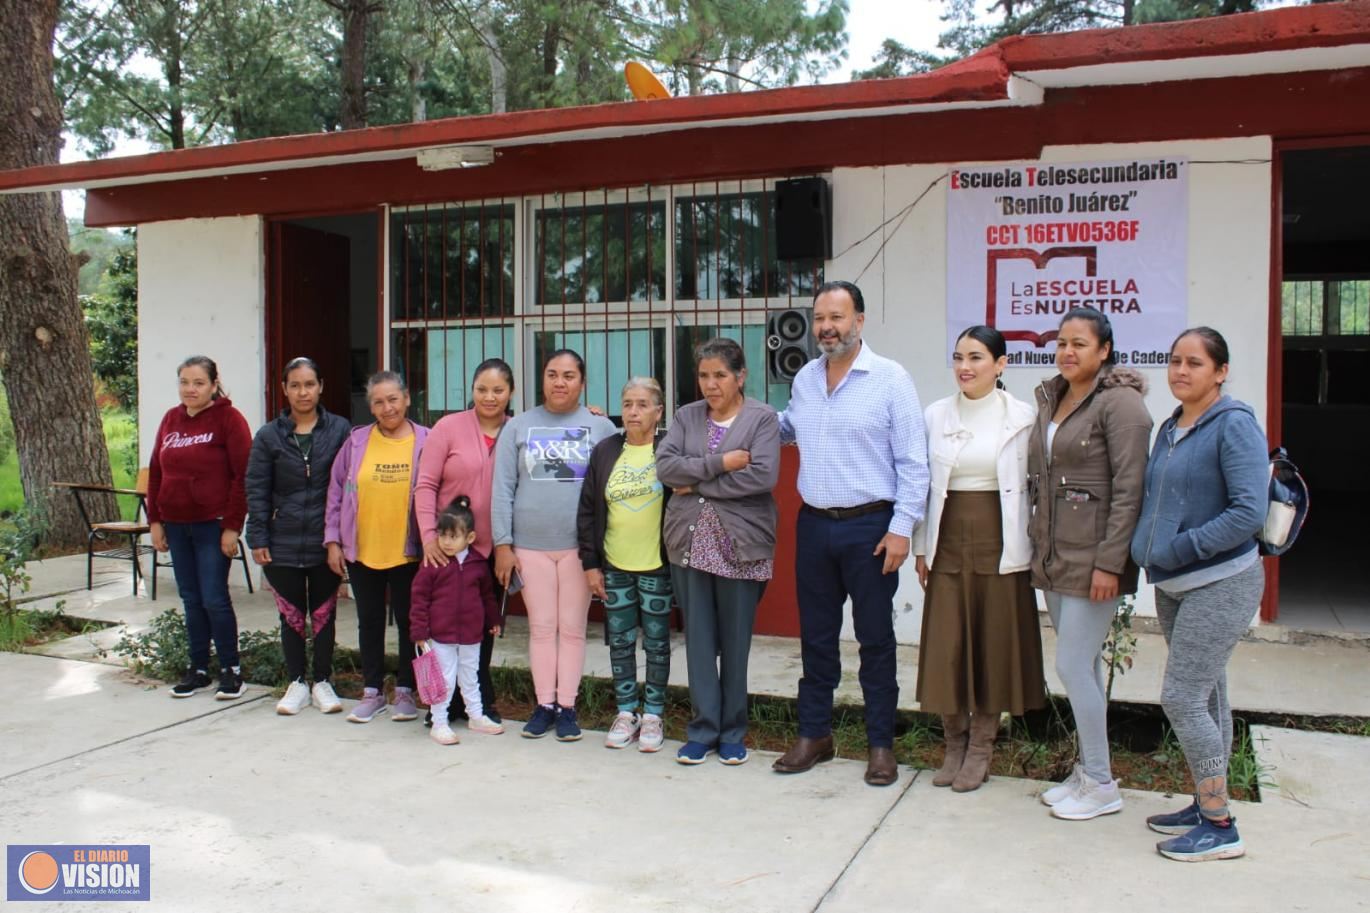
(1086, 466)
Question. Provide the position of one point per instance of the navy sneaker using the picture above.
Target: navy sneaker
(568, 730)
(540, 722)
(1203, 843)
(1181, 822)
(732, 753)
(693, 753)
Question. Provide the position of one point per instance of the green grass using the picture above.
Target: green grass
(121, 437)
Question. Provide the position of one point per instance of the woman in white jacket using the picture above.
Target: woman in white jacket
(981, 649)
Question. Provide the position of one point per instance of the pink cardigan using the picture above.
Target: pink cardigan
(455, 461)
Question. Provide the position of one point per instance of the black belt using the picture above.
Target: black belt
(846, 513)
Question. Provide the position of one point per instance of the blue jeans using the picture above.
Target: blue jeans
(835, 559)
(201, 570)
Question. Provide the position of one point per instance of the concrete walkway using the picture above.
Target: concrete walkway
(250, 811)
(1317, 677)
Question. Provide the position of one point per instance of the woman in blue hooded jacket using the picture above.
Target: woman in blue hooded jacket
(1205, 502)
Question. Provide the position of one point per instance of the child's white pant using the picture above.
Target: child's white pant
(459, 664)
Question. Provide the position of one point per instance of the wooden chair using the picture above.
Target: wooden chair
(104, 531)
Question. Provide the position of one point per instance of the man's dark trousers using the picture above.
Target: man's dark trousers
(835, 559)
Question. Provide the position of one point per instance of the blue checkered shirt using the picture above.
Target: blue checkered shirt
(865, 442)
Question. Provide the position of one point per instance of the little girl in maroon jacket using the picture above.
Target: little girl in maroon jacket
(451, 608)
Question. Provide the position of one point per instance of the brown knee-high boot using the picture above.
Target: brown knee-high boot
(954, 729)
(975, 769)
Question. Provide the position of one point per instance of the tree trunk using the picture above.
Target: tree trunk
(499, 80)
(176, 111)
(418, 107)
(355, 14)
(44, 350)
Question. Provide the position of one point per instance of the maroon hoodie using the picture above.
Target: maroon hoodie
(198, 466)
(454, 604)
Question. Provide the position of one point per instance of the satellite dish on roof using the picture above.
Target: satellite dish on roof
(642, 83)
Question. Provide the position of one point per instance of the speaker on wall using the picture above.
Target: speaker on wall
(789, 344)
(803, 219)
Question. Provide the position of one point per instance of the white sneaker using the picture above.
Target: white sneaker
(624, 731)
(1090, 800)
(325, 698)
(443, 735)
(296, 699)
(1061, 791)
(484, 724)
(650, 736)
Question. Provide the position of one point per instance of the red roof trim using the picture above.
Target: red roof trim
(983, 81)
(1288, 29)
(980, 78)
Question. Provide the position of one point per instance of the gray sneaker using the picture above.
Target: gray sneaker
(405, 708)
(372, 703)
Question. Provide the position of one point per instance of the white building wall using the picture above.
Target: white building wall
(905, 283)
(201, 291)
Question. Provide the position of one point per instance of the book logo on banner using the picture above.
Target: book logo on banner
(55, 872)
(1028, 242)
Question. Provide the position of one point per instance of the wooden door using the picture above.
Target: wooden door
(308, 310)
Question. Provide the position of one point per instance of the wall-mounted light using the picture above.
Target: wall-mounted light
(445, 158)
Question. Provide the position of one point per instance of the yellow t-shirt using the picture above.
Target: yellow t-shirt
(632, 541)
(383, 500)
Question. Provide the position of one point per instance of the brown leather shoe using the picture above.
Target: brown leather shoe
(804, 754)
(881, 770)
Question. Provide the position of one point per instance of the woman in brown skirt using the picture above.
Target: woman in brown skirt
(981, 649)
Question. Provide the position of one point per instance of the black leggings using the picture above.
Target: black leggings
(306, 588)
(369, 588)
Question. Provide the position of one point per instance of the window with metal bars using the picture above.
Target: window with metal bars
(631, 279)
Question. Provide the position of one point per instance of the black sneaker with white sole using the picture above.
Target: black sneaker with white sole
(230, 686)
(194, 680)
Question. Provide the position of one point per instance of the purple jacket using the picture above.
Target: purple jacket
(454, 604)
(340, 519)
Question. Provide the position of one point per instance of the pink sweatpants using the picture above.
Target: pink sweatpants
(558, 602)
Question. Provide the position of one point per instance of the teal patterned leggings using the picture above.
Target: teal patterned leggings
(628, 597)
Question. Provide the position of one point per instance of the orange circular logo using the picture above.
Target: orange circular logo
(38, 872)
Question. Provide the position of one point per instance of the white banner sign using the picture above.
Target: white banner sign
(1027, 242)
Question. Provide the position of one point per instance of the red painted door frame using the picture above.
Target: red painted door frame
(1274, 393)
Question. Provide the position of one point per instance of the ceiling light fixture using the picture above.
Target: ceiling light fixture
(445, 158)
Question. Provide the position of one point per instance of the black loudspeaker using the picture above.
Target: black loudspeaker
(803, 219)
(790, 344)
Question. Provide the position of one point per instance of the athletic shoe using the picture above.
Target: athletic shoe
(443, 735)
(1204, 843)
(568, 730)
(624, 732)
(405, 708)
(693, 753)
(541, 721)
(1181, 822)
(193, 681)
(296, 699)
(484, 725)
(1065, 788)
(732, 753)
(650, 736)
(325, 698)
(492, 714)
(230, 686)
(372, 703)
(1090, 800)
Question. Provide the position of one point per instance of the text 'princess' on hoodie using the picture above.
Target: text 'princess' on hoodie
(199, 465)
